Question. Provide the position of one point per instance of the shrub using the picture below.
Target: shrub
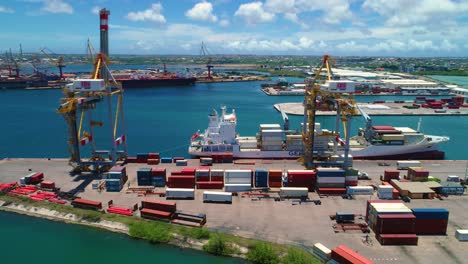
(151, 231)
(298, 256)
(263, 253)
(195, 232)
(216, 245)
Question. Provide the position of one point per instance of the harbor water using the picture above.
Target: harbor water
(26, 239)
(163, 119)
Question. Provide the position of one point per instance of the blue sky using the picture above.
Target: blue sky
(270, 27)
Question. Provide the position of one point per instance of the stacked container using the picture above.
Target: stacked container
(142, 157)
(391, 174)
(115, 178)
(144, 177)
(275, 178)
(294, 143)
(207, 179)
(385, 192)
(431, 221)
(114, 185)
(158, 177)
(302, 178)
(222, 157)
(272, 140)
(331, 180)
(157, 210)
(397, 239)
(395, 192)
(417, 174)
(351, 177)
(166, 160)
(370, 202)
(238, 180)
(182, 179)
(261, 178)
(153, 159)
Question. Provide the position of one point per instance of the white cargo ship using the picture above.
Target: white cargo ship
(272, 142)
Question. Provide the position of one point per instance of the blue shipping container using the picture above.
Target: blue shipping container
(144, 172)
(113, 188)
(166, 160)
(113, 182)
(144, 183)
(261, 178)
(114, 175)
(431, 213)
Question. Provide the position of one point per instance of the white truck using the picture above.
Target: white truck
(180, 193)
(405, 164)
(217, 197)
(294, 192)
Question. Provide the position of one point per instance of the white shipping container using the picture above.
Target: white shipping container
(405, 164)
(269, 126)
(360, 190)
(88, 85)
(238, 180)
(182, 193)
(321, 251)
(339, 86)
(385, 189)
(220, 197)
(237, 173)
(272, 143)
(237, 187)
(351, 178)
(461, 234)
(272, 148)
(331, 179)
(181, 162)
(294, 192)
(385, 196)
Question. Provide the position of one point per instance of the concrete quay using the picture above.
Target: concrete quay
(384, 109)
(282, 222)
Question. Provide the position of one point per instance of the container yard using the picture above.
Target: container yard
(257, 214)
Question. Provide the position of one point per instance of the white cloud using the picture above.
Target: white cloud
(152, 14)
(4, 9)
(95, 10)
(57, 6)
(202, 12)
(224, 23)
(281, 6)
(254, 13)
(448, 46)
(406, 13)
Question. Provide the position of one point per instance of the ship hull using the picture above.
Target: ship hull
(149, 83)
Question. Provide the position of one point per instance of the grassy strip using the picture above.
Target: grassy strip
(160, 232)
(284, 73)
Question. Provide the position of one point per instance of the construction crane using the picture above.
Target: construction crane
(81, 98)
(204, 53)
(57, 62)
(319, 96)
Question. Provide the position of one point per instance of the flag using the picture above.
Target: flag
(195, 136)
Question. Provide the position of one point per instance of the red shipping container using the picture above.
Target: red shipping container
(391, 174)
(217, 178)
(351, 183)
(275, 184)
(397, 239)
(88, 203)
(345, 255)
(395, 224)
(176, 159)
(177, 173)
(155, 214)
(141, 160)
(158, 171)
(203, 178)
(210, 185)
(153, 155)
(431, 226)
(273, 173)
(188, 171)
(131, 160)
(378, 201)
(152, 161)
(48, 184)
(159, 205)
(332, 191)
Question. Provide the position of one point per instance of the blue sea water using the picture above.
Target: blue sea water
(163, 119)
(25, 239)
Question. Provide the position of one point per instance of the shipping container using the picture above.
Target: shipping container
(166, 160)
(397, 239)
(431, 213)
(182, 162)
(217, 197)
(331, 179)
(86, 204)
(158, 171)
(395, 224)
(48, 185)
(261, 178)
(159, 205)
(344, 217)
(237, 187)
(206, 161)
(176, 193)
(461, 234)
(360, 190)
(322, 252)
(405, 164)
(331, 191)
(155, 214)
(370, 202)
(153, 155)
(345, 255)
(294, 192)
(210, 185)
(391, 174)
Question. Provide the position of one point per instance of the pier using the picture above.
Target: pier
(378, 109)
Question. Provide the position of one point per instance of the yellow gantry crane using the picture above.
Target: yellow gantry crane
(57, 62)
(325, 95)
(81, 98)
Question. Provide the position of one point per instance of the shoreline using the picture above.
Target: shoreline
(111, 226)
